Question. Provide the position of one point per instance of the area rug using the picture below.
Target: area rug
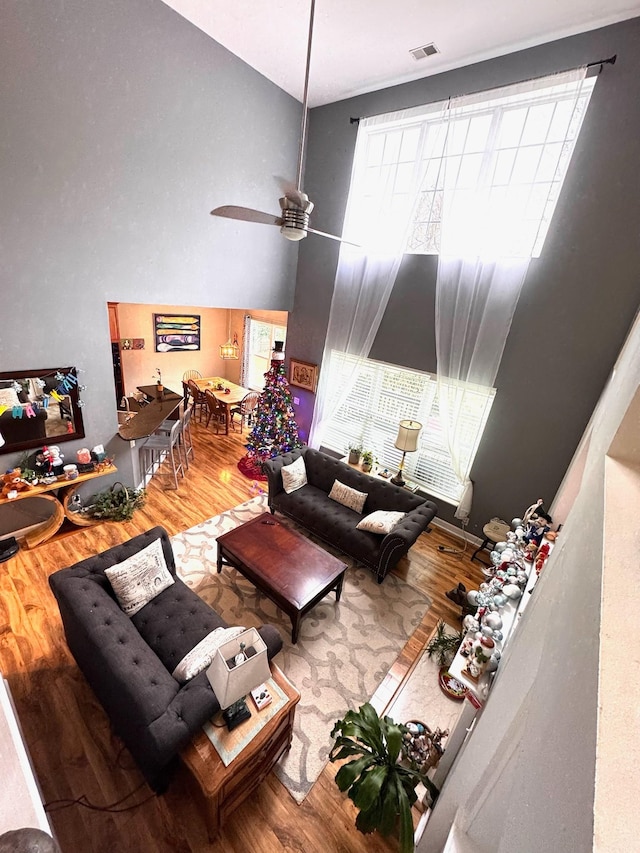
(343, 651)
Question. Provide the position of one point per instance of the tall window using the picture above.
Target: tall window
(381, 397)
(517, 147)
(259, 340)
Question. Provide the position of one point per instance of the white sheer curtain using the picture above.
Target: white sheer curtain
(488, 235)
(380, 223)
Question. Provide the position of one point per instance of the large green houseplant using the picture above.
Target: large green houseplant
(381, 787)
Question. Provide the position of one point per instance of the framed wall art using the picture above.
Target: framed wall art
(175, 332)
(303, 374)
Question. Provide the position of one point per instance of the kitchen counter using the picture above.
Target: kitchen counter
(145, 422)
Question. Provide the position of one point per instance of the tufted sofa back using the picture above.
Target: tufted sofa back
(323, 470)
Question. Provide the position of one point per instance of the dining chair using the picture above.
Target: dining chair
(186, 376)
(167, 443)
(215, 410)
(245, 409)
(197, 396)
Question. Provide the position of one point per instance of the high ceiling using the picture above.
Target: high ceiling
(363, 45)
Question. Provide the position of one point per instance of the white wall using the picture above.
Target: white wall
(525, 780)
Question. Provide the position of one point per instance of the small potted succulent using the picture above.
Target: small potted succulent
(354, 450)
(367, 460)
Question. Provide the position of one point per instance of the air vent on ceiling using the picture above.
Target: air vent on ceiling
(424, 51)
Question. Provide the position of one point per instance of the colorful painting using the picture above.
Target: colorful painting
(175, 332)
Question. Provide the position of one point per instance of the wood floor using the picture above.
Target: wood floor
(68, 735)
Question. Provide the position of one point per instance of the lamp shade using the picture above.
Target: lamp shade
(230, 680)
(229, 350)
(408, 435)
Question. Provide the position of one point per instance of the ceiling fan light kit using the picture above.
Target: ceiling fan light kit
(295, 216)
(294, 205)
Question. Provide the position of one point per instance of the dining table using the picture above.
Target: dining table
(233, 397)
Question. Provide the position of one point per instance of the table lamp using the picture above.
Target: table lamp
(237, 667)
(407, 442)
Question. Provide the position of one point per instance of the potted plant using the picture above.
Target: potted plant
(354, 450)
(443, 646)
(159, 385)
(367, 460)
(116, 503)
(382, 789)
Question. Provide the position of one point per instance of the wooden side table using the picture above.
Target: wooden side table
(219, 789)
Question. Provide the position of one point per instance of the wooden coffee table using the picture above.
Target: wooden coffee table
(290, 570)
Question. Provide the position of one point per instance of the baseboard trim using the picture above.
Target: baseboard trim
(455, 531)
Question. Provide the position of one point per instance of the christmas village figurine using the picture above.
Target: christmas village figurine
(506, 579)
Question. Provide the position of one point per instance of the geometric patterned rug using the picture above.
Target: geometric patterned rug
(343, 652)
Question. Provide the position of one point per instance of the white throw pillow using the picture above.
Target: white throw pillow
(381, 521)
(138, 579)
(294, 476)
(345, 495)
(201, 656)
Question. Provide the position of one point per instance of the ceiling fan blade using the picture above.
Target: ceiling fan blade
(333, 237)
(246, 214)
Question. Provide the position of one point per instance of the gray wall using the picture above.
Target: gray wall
(121, 127)
(579, 297)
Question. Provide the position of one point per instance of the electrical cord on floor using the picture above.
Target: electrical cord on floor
(457, 551)
(57, 805)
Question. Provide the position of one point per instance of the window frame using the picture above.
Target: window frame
(364, 417)
(431, 119)
(277, 332)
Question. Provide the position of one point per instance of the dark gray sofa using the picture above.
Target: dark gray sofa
(312, 508)
(128, 661)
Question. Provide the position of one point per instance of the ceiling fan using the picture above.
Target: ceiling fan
(295, 206)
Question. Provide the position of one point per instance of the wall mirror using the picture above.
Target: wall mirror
(39, 407)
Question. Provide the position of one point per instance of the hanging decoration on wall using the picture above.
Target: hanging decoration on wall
(59, 393)
(175, 332)
(132, 343)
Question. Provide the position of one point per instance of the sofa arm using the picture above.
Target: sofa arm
(403, 536)
(273, 469)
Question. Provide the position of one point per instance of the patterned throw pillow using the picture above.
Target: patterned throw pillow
(138, 579)
(345, 495)
(381, 521)
(294, 476)
(200, 657)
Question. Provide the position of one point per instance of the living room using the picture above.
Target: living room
(124, 125)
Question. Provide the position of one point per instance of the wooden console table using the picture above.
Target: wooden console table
(42, 529)
(220, 789)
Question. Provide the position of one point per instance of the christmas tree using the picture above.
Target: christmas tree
(275, 430)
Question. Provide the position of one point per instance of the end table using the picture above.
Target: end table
(219, 789)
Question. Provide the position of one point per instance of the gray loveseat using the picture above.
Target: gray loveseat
(128, 661)
(312, 508)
